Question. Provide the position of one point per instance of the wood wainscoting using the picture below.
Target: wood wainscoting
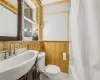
(31, 45)
(54, 50)
(54, 53)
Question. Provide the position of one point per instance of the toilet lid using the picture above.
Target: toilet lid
(52, 69)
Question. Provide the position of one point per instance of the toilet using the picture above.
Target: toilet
(51, 71)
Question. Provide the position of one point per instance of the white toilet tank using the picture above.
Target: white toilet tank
(41, 60)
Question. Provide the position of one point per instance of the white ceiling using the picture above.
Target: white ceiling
(49, 1)
(14, 2)
(56, 8)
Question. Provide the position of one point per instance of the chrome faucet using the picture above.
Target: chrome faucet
(12, 51)
(10, 48)
(5, 57)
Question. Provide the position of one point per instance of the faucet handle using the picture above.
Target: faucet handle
(5, 57)
(5, 52)
(14, 51)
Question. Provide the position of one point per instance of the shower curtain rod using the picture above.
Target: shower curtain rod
(7, 8)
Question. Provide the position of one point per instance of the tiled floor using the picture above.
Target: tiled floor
(62, 76)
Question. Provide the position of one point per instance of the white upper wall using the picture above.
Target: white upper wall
(57, 8)
(55, 20)
(49, 1)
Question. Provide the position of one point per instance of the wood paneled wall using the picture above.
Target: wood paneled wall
(54, 53)
(31, 45)
(39, 21)
(39, 17)
(54, 50)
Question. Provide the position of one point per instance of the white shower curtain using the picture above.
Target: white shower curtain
(85, 39)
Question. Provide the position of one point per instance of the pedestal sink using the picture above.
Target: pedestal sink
(15, 67)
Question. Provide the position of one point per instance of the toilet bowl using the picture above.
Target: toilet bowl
(52, 71)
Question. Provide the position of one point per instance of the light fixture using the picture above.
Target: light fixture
(25, 29)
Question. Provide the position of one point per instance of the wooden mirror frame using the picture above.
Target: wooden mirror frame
(19, 18)
(19, 25)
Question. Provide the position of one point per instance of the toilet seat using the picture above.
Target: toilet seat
(52, 70)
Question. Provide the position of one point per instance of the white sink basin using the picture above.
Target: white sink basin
(17, 66)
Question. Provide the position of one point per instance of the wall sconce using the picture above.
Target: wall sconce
(25, 30)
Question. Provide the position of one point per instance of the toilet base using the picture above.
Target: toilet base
(45, 76)
(61, 76)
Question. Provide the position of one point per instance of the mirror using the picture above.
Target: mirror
(27, 11)
(8, 20)
(27, 29)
